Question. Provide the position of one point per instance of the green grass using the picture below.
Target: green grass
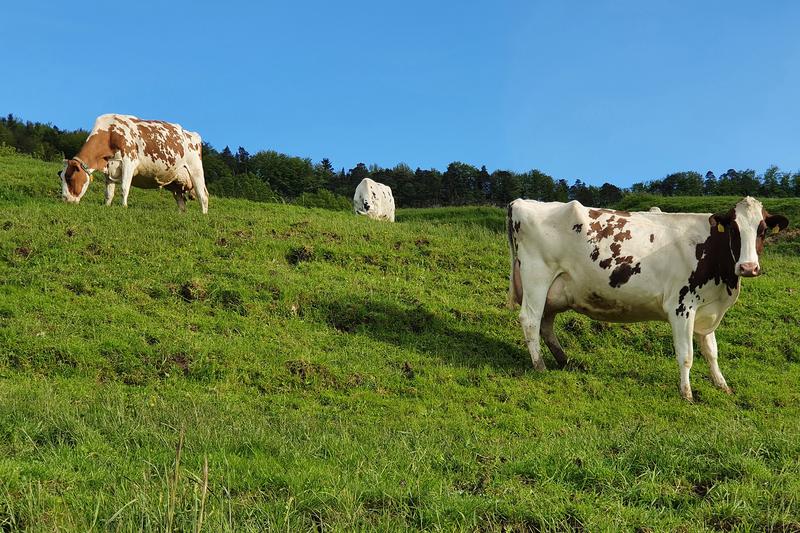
(335, 373)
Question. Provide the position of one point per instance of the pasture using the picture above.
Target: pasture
(275, 367)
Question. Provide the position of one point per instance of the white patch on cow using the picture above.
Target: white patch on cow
(749, 214)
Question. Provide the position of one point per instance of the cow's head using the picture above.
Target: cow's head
(75, 179)
(363, 207)
(747, 224)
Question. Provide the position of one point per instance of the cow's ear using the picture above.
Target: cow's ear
(720, 219)
(777, 222)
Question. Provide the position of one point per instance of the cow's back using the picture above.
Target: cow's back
(610, 264)
(162, 153)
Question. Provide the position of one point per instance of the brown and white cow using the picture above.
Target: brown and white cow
(144, 153)
(616, 266)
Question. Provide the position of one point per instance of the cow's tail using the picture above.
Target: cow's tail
(514, 280)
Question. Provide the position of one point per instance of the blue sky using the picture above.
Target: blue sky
(594, 90)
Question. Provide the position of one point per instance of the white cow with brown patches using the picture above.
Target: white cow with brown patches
(374, 200)
(616, 266)
(144, 153)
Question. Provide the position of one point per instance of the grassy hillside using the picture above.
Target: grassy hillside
(272, 366)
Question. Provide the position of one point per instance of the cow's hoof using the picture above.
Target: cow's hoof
(686, 394)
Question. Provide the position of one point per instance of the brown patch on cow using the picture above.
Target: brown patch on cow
(162, 141)
(612, 227)
(577, 228)
(96, 150)
(595, 213)
(601, 232)
(652, 237)
(512, 241)
(102, 145)
(623, 236)
(118, 141)
(716, 259)
(74, 177)
(623, 273)
(155, 146)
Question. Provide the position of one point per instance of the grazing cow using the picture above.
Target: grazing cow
(145, 153)
(374, 200)
(617, 266)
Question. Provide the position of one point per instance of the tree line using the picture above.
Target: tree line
(270, 176)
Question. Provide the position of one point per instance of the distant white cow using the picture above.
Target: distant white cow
(374, 200)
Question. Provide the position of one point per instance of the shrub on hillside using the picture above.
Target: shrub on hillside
(246, 186)
(324, 199)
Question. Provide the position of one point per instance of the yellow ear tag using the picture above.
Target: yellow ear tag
(720, 228)
(775, 229)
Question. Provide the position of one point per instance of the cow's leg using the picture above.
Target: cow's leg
(110, 188)
(534, 297)
(708, 347)
(199, 183)
(682, 328)
(125, 182)
(550, 339)
(181, 200)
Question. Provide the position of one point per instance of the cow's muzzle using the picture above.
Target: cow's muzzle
(748, 270)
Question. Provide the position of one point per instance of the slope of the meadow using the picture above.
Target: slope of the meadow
(275, 367)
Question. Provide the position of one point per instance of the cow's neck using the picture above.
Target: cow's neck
(95, 151)
(715, 260)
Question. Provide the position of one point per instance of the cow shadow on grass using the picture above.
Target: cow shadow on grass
(416, 328)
